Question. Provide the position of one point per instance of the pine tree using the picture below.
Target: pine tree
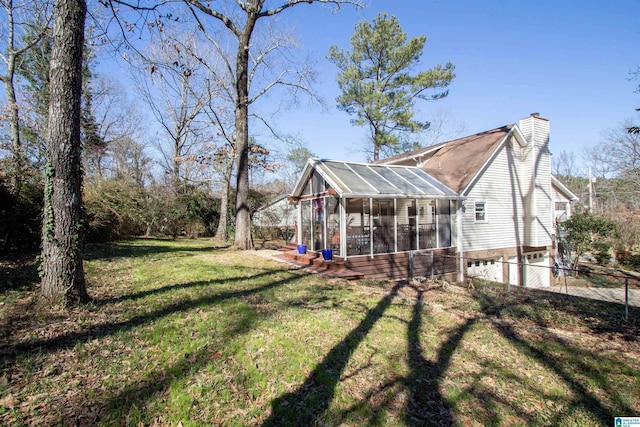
(376, 83)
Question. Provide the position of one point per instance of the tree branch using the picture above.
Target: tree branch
(291, 3)
(217, 15)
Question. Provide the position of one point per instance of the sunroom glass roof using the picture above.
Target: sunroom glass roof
(373, 180)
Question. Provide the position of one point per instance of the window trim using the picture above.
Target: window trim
(475, 212)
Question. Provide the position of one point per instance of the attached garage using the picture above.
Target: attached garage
(490, 269)
(536, 269)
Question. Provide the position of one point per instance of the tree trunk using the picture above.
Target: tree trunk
(222, 233)
(62, 270)
(14, 120)
(243, 218)
(14, 123)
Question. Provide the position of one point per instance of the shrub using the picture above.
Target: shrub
(21, 214)
(114, 209)
(628, 258)
(588, 232)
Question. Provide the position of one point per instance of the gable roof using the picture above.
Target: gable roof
(456, 163)
(350, 179)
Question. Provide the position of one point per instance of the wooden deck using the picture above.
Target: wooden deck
(396, 265)
(401, 266)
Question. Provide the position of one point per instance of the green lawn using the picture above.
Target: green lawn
(184, 332)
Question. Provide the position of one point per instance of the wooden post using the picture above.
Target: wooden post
(411, 264)
(626, 298)
(433, 267)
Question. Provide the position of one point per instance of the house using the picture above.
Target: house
(483, 205)
(278, 216)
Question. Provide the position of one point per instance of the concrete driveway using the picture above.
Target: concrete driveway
(602, 294)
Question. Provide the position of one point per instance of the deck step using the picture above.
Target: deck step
(315, 262)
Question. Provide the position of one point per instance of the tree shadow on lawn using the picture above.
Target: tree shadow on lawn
(136, 395)
(306, 405)
(9, 353)
(22, 274)
(577, 368)
(135, 248)
(132, 401)
(181, 286)
(551, 309)
(425, 404)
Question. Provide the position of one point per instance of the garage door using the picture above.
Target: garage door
(489, 269)
(536, 269)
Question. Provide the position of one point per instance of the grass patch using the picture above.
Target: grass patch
(185, 332)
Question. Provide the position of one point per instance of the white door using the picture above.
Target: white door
(513, 270)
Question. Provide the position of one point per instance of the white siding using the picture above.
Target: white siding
(402, 206)
(527, 182)
(543, 196)
(516, 186)
(536, 174)
(505, 196)
(558, 196)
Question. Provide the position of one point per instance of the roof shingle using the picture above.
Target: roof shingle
(456, 162)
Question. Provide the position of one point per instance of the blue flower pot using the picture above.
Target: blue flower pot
(302, 249)
(327, 254)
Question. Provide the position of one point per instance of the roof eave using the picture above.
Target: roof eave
(563, 188)
(517, 133)
(404, 196)
(304, 175)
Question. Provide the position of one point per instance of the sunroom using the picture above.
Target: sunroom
(366, 210)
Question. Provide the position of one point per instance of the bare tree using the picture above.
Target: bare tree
(129, 160)
(624, 153)
(442, 127)
(222, 159)
(25, 23)
(616, 164)
(617, 156)
(240, 19)
(62, 270)
(564, 164)
(170, 86)
(116, 119)
(272, 65)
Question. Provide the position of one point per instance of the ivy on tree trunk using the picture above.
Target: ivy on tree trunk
(62, 270)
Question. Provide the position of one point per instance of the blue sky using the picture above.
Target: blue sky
(568, 60)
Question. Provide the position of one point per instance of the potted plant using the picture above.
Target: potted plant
(327, 254)
(302, 249)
